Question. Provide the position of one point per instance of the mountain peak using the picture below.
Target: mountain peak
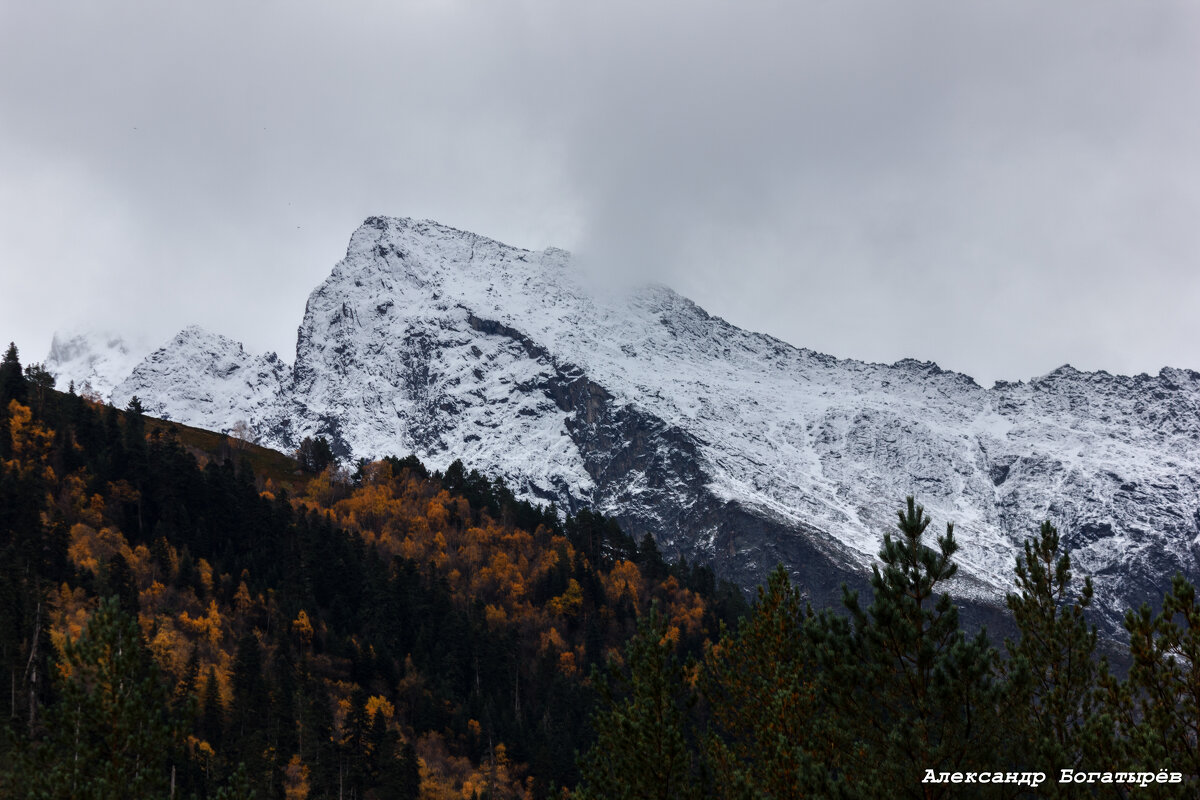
(195, 335)
(92, 360)
(429, 229)
(425, 249)
(205, 379)
(727, 445)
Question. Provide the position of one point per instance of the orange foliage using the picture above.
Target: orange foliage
(624, 579)
(152, 600)
(367, 509)
(206, 574)
(31, 441)
(377, 704)
(482, 559)
(340, 694)
(170, 648)
(444, 776)
(303, 628)
(69, 611)
(411, 550)
(436, 512)
(141, 565)
(552, 641)
(683, 607)
(208, 626)
(75, 504)
(242, 599)
(89, 548)
(295, 779)
(570, 602)
(123, 492)
(494, 615)
(320, 490)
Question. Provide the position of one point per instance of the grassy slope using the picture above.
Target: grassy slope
(281, 469)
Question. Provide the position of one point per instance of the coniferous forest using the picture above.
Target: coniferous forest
(183, 614)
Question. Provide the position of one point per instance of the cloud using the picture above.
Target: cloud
(1019, 178)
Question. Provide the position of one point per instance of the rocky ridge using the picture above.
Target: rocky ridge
(725, 444)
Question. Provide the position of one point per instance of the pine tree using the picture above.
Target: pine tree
(1052, 669)
(118, 581)
(134, 442)
(405, 781)
(211, 714)
(908, 690)
(759, 684)
(315, 455)
(111, 734)
(33, 558)
(1164, 688)
(641, 750)
(12, 381)
(39, 382)
(250, 710)
(12, 388)
(650, 559)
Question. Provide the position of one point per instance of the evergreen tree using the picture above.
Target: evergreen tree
(112, 464)
(1164, 686)
(650, 559)
(33, 558)
(111, 734)
(404, 779)
(765, 735)
(315, 455)
(238, 787)
(12, 381)
(641, 750)
(12, 387)
(211, 714)
(1052, 669)
(909, 690)
(118, 581)
(250, 710)
(135, 441)
(39, 382)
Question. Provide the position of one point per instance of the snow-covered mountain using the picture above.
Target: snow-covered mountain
(727, 445)
(93, 361)
(214, 383)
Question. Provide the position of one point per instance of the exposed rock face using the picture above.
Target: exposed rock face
(727, 445)
(205, 380)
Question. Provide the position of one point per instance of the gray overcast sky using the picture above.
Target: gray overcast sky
(999, 187)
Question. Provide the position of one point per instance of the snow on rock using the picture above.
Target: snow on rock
(93, 361)
(725, 444)
(206, 380)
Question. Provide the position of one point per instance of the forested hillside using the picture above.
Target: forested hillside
(375, 634)
(183, 614)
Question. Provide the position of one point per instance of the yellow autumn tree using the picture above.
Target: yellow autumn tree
(295, 779)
